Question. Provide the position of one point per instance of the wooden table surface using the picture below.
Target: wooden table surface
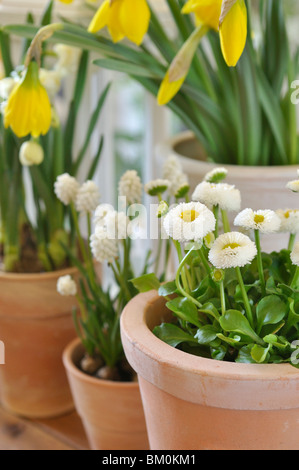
(64, 433)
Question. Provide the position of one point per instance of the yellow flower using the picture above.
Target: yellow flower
(28, 109)
(233, 33)
(206, 11)
(124, 18)
(169, 89)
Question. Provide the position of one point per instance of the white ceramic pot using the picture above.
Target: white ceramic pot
(261, 187)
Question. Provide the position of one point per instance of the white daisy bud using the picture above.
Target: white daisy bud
(103, 248)
(295, 254)
(232, 250)
(88, 197)
(289, 219)
(293, 186)
(31, 153)
(216, 175)
(156, 187)
(226, 196)
(130, 187)
(66, 286)
(66, 188)
(266, 221)
(162, 209)
(189, 222)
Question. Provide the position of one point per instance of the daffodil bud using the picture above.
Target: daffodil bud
(31, 153)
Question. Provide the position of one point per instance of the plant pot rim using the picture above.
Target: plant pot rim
(70, 366)
(269, 172)
(146, 353)
(32, 277)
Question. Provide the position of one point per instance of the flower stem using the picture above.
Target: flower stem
(178, 282)
(222, 298)
(295, 281)
(260, 261)
(292, 241)
(226, 226)
(216, 214)
(245, 297)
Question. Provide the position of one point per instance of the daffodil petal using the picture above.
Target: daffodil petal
(206, 11)
(114, 22)
(135, 17)
(169, 89)
(100, 19)
(233, 33)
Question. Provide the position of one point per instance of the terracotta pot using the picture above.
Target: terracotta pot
(111, 412)
(261, 187)
(192, 403)
(35, 325)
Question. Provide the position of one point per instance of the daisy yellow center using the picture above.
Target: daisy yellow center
(189, 215)
(233, 246)
(259, 219)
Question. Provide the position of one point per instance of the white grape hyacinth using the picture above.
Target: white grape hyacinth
(130, 187)
(295, 254)
(289, 219)
(189, 222)
(116, 225)
(173, 172)
(66, 286)
(66, 188)
(101, 213)
(232, 250)
(226, 196)
(102, 247)
(266, 221)
(88, 197)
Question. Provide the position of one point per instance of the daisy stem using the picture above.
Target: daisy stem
(182, 269)
(245, 296)
(204, 260)
(222, 298)
(225, 221)
(181, 288)
(216, 214)
(292, 241)
(260, 261)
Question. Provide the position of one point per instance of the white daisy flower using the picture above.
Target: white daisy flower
(232, 250)
(293, 186)
(88, 197)
(216, 175)
(189, 222)
(101, 212)
(226, 196)
(130, 187)
(102, 247)
(266, 221)
(289, 219)
(66, 188)
(156, 187)
(295, 254)
(66, 286)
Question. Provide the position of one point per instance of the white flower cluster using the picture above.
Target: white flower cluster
(226, 196)
(178, 181)
(130, 187)
(85, 197)
(66, 286)
(66, 188)
(102, 247)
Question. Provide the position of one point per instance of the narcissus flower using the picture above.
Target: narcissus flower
(232, 250)
(123, 18)
(233, 30)
(28, 109)
(206, 11)
(31, 153)
(189, 222)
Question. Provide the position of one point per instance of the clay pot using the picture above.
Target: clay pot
(261, 187)
(193, 403)
(35, 325)
(111, 412)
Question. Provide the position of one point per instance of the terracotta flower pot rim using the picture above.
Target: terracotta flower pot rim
(136, 331)
(43, 276)
(73, 369)
(271, 171)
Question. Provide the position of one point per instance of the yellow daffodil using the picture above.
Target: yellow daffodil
(233, 32)
(227, 16)
(66, 1)
(28, 109)
(123, 18)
